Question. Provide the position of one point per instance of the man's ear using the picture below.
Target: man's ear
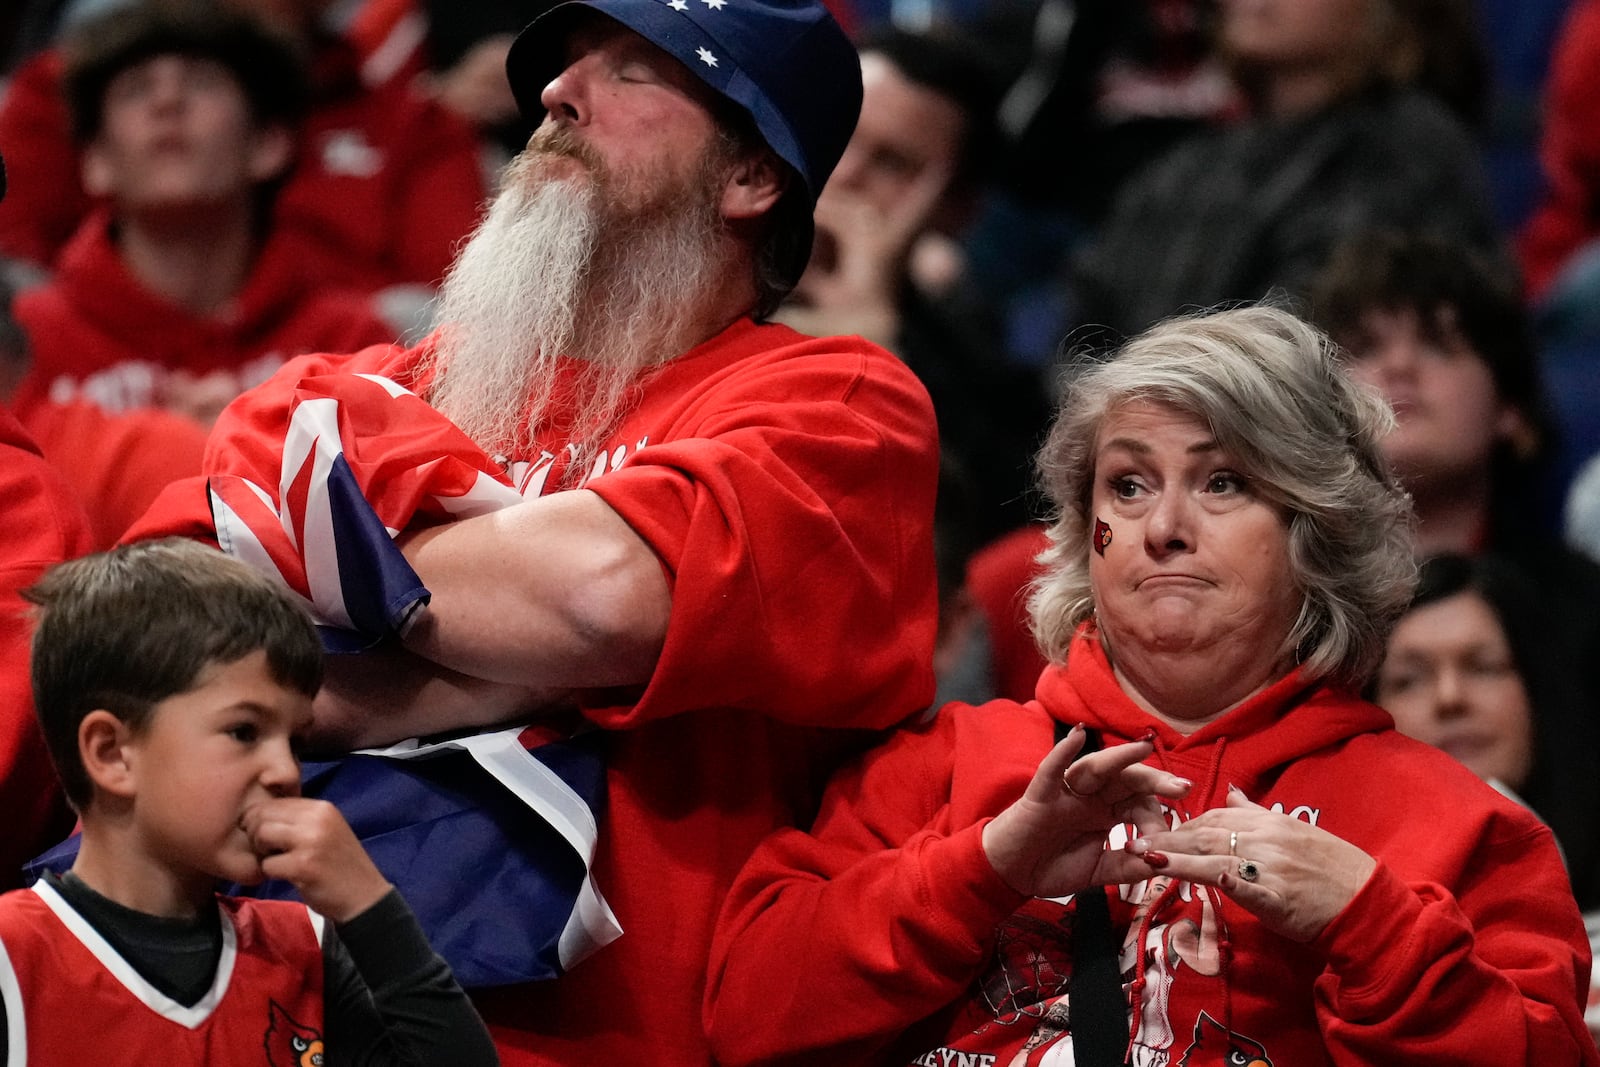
(103, 747)
(271, 151)
(753, 186)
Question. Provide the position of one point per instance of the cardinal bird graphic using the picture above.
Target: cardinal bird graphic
(1215, 1046)
(289, 1044)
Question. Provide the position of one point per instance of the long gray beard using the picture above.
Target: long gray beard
(559, 267)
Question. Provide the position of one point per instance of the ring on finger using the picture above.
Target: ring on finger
(1249, 870)
(1066, 783)
(1233, 842)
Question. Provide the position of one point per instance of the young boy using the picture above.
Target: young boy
(172, 684)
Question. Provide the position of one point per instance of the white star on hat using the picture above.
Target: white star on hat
(706, 57)
(715, 5)
(678, 5)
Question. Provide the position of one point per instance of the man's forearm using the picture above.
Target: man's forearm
(558, 592)
(389, 694)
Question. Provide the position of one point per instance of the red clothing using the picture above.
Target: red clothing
(44, 199)
(97, 333)
(386, 184)
(1569, 153)
(997, 577)
(41, 524)
(79, 1002)
(388, 181)
(787, 485)
(115, 464)
(886, 933)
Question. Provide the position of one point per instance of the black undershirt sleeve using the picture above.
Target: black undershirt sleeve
(390, 999)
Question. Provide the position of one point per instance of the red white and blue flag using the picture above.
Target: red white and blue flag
(489, 837)
(362, 458)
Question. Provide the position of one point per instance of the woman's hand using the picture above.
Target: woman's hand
(1052, 841)
(1303, 876)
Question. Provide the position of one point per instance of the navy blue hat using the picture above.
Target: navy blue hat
(785, 62)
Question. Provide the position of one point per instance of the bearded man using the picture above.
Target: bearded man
(723, 556)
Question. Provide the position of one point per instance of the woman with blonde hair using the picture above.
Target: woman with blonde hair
(1197, 844)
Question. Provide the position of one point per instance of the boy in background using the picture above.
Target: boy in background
(172, 685)
(185, 286)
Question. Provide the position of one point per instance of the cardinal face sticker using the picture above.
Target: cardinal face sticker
(1102, 535)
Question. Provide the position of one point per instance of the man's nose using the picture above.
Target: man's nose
(566, 97)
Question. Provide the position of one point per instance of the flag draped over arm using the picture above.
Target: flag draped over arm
(490, 841)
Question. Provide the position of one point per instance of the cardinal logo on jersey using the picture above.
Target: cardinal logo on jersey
(1215, 1046)
(1102, 535)
(289, 1044)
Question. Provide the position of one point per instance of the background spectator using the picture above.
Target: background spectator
(886, 264)
(40, 524)
(1561, 268)
(1351, 125)
(386, 182)
(1442, 334)
(186, 288)
(115, 464)
(1467, 670)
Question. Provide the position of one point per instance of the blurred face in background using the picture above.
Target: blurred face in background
(1448, 413)
(176, 132)
(1299, 33)
(1449, 680)
(906, 131)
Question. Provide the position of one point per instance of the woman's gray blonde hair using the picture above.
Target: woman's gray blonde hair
(1271, 389)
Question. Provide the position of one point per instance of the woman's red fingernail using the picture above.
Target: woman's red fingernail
(1149, 735)
(1156, 859)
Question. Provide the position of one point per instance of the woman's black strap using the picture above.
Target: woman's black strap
(1097, 1011)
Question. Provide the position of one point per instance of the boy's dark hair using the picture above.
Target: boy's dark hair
(126, 629)
(267, 65)
(1451, 288)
